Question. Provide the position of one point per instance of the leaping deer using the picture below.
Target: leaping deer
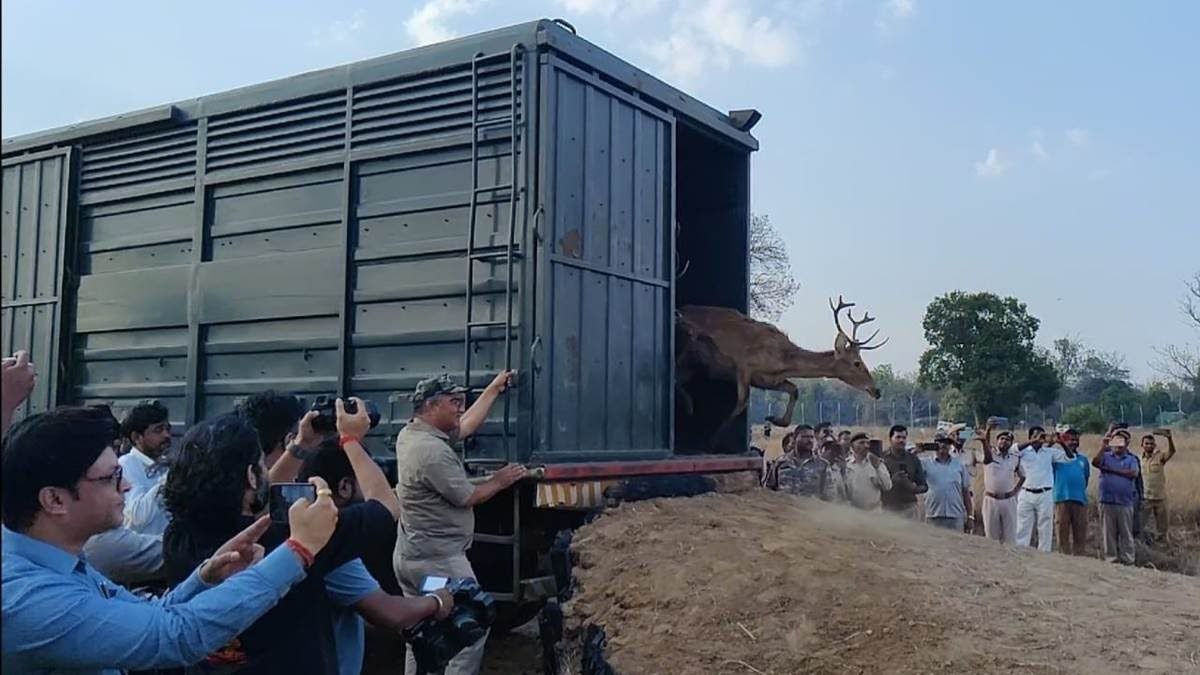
(723, 344)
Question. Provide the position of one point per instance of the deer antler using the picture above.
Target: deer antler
(857, 323)
(841, 304)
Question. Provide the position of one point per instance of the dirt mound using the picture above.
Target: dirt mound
(766, 583)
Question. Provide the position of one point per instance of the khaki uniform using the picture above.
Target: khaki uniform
(1154, 484)
(436, 526)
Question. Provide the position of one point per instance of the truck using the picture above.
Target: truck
(518, 199)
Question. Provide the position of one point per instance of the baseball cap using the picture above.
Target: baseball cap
(436, 386)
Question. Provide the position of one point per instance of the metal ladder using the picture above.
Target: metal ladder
(508, 255)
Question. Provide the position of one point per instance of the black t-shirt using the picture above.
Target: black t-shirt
(295, 636)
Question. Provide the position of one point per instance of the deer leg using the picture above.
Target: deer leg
(743, 399)
(793, 393)
(685, 398)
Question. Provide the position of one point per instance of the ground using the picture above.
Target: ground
(767, 583)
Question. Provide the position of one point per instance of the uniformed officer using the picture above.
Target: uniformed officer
(437, 518)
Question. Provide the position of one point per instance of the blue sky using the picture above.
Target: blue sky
(1049, 151)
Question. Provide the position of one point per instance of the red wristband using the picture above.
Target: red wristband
(306, 556)
(345, 438)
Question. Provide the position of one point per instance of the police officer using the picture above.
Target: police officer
(437, 518)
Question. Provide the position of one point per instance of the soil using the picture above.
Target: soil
(761, 583)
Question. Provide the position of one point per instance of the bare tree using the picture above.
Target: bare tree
(1182, 362)
(773, 288)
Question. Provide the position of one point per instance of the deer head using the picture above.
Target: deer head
(847, 349)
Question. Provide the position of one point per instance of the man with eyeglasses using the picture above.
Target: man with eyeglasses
(62, 485)
(437, 501)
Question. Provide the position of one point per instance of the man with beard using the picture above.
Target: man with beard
(1001, 484)
(149, 432)
(218, 481)
(801, 472)
(437, 516)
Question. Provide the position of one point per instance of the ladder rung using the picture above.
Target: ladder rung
(486, 324)
(494, 254)
(494, 188)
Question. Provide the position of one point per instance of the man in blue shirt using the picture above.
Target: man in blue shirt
(1070, 496)
(948, 500)
(1119, 471)
(61, 485)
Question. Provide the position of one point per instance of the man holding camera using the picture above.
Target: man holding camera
(437, 518)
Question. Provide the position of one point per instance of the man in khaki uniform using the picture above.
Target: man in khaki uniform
(1154, 482)
(437, 517)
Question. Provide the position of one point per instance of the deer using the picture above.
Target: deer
(723, 344)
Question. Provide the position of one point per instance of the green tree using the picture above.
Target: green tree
(954, 406)
(1086, 418)
(982, 345)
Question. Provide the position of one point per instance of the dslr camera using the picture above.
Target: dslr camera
(326, 422)
(434, 642)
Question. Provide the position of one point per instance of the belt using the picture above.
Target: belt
(998, 496)
(1038, 491)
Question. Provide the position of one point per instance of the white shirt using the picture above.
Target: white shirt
(1038, 465)
(146, 513)
(142, 472)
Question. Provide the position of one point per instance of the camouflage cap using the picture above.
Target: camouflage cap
(436, 386)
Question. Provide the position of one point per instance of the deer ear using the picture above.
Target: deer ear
(841, 343)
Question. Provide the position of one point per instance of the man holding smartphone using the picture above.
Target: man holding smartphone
(1119, 471)
(1154, 482)
(437, 517)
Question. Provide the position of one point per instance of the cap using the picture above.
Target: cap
(859, 436)
(436, 386)
(1005, 432)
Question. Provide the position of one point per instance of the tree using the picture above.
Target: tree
(1182, 362)
(1085, 418)
(983, 346)
(1069, 353)
(773, 288)
(954, 405)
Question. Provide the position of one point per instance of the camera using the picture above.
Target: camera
(434, 642)
(326, 422)
(283, 495)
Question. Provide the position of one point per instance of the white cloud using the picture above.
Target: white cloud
(429, 22)
(993, 165)
(339, 31)
(718, 34)
(1039, 152)
(1078, 137)
(610, 8)
(892, 12)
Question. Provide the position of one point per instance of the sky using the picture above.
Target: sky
(1047, 151)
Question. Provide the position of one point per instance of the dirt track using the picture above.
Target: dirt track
(766, 583)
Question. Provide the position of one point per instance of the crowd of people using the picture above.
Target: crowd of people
(1033, 491)
(124, 553)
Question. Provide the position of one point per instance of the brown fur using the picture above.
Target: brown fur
(719, 343)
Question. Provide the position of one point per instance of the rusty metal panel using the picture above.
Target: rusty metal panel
(604, 390)
(34, 227)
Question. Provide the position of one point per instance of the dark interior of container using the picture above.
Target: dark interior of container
(712, 200)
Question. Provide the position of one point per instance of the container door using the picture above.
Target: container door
(35, 196)
(603, 375)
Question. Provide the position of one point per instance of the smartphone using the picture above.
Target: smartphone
(431, 584)
(283, 495)
(1117, 442)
